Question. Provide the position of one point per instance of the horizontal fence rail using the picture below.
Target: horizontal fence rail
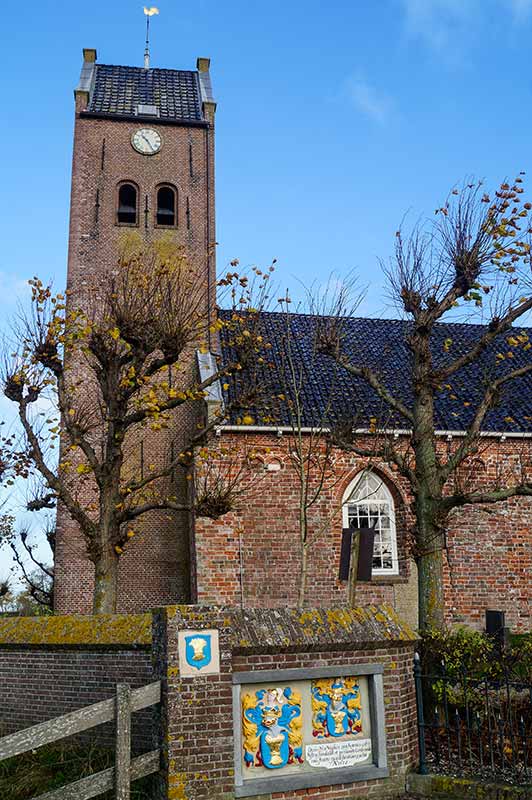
(93, 785)
(119, 709)
(75, 722)
(474, 726)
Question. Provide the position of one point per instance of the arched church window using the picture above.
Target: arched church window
(127, 204)
(368, 503)
(166, 206)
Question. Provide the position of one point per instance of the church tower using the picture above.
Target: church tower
(144, 160)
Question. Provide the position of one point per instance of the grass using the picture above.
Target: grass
(51, 767)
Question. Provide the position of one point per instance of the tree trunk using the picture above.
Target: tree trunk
(429, 562)
(105, 582)
(430, 587)
(428, 490)
(303, 574)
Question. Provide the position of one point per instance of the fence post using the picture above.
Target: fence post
(420, 717)
(123, 742)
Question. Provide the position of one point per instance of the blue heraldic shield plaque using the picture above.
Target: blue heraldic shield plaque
(198, 650)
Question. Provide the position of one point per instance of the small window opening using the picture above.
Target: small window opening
(166, 204)
(127, 205)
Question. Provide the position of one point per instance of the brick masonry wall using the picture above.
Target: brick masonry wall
(38, 683)
(198, 713)
(155, 567)
(252, 555)
(53, 665)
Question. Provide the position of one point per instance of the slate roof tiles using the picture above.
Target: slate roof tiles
(119, 90)
(330, 392)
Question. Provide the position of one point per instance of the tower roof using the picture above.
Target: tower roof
(175, 94)
(167, 95)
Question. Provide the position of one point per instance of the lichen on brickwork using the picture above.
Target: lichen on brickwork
(74, 629)
(274, 628)
(177, 786)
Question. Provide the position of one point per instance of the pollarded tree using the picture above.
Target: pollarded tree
(116, 364)
(473, 259)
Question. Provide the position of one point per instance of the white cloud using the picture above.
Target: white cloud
(12, 286)
(369, 100)
(521, 9)
(446, 25)
(439, 23)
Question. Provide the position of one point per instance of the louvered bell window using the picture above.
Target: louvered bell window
(127, 205)
(166, 207)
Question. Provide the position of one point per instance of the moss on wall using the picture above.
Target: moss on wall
(74, 629)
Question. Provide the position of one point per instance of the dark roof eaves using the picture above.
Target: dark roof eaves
(176, 121)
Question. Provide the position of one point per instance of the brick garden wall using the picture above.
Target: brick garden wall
(252, 556)
(37, 684)
(72, 666)
(198, 710)
(55, 665)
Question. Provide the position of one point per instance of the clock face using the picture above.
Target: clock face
(146, 141)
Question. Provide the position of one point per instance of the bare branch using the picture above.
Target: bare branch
(495, 328)
(494, 496)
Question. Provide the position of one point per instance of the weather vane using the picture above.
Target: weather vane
(149, 12)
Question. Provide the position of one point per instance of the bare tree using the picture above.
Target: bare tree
(310, 450)
(473, 259)
(116, 364)
(34, 570)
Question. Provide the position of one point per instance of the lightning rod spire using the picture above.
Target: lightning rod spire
(149, 12)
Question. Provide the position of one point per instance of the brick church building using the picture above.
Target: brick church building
(144, 158)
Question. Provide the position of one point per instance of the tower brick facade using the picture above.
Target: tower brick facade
(112, 103)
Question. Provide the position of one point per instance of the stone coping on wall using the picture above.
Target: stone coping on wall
(125, 630)
(265, 630)
(259, 630)
(245, 650)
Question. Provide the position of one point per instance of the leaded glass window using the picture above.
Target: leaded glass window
(368, 503)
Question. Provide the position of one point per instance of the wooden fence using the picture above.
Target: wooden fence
(126, 770)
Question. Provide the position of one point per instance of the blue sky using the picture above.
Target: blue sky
(334, 119)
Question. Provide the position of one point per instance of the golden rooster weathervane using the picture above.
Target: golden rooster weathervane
(149, 12)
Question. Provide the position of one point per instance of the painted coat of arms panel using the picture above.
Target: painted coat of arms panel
(336, 708)
(272, 732)
(301, 726)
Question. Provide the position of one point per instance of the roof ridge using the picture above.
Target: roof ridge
(444, 324)
(151, 69)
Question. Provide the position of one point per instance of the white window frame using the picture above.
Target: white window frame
(394, 570)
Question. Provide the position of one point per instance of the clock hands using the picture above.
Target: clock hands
(147, 141)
